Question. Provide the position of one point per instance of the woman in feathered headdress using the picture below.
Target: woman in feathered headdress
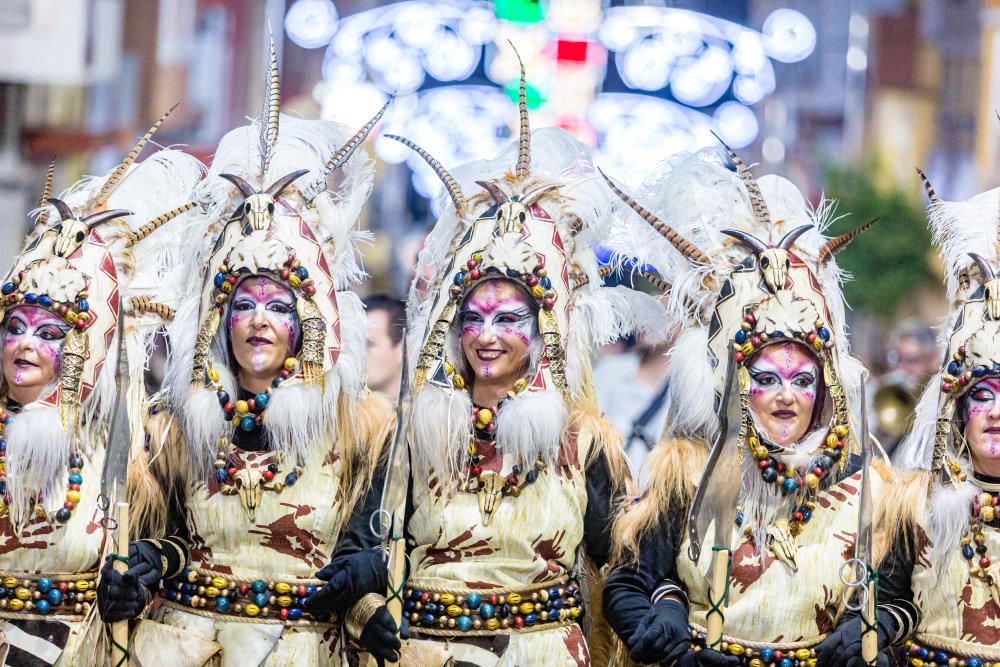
(762, 364)
(265, 435)
(514, 474)
(954, 451)
(62, 320)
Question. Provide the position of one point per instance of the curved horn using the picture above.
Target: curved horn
(65, 212)
(791, 237)
(43, 199)
(524, 134)
(532, 197)
(283, 182)
(749, 240)
(156, 223)
(118, 175)
(757, 203)
(683, 246)
(928, 187)
(833, 246)
(499, 196)
(272, 106)
(984, 267)
(454, 191)
(347, 150)
(243, 186)
(101, 217)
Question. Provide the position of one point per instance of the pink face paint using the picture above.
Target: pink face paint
(498, 324)
(32, 347)
(982, 425)
(784, 384)
(263, 325)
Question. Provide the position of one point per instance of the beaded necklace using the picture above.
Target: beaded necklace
(984, 510)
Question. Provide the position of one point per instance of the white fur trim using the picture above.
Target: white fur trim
(530, 426)
(441, 422)
(37, 453)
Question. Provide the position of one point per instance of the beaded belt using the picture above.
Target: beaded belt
(63, 595)
(790, 655)
(435, 613)
(261, 600)
(925, 656)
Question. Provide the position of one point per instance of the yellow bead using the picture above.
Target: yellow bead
(251, 610)
(736, 649)
(220, 583)
(984, 499)
(803, 654)
(212, 592)
(90, 595)
(471, 449)
(291, 363)
(71, 317)
(514, 598)
(756, 662)
(916, 662)
(492, 624)
(447, 598)
(281, 588)
(812, 480)
(538, 291)
(747, 349)
(454, 610)
(226, 287)
(484, 416)
(818, 344)
(73, 496)
(840, 430)
(15, 604)
(987, 513)
(285, 600)
(213, 375)
(575, 612)
(242, 408)
(831, 440)
(520, 385)
(526, 607)
(294, 280)
(448, 368)
(458, 381)
(23, 594)
(82, 585)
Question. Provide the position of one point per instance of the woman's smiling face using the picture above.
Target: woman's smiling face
(498, 323)
(263, 326)
(32, 349)
(784, 383)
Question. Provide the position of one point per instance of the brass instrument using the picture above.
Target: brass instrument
(893, 406)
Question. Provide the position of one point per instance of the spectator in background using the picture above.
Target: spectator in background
(631, 391)
(386, 324)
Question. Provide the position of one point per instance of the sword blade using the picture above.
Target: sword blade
(863, 544)
(393, 502)
(116, 455)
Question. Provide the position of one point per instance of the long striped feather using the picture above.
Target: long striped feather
(118, 175)
(524, 135)
(269, 114)
(43, 199)
(347, 150)
(757, 202)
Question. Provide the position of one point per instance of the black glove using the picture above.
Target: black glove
(706, 657)
(662, 635)
(347, 578)
(378, 637)
(842, 647)
(122, 596)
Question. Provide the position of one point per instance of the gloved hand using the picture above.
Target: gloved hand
(378, 637)
(347, 579)
(842, 648)
(122, 596)
(706, 657)
(662, 635)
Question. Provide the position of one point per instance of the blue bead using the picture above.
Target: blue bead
(219, 279)
(553, 592)
(459, 278)
(3, 592)
(968, 551)
(75, 478)
(220, 475)
(427, 619)
(996, 368)
(42, 606)
(31, 297)
(806, 514)
(262, 399)
(82, 305)
(922, 652)
(55, 597)
(45, 301)
(473, 600)
(824, 333)
(464, 623)
(186, 600)
(941, 656)
(247, 423)
(415, 594)
(291, 478)
(529, 619)
(786, 662)
(979, 371)
(974, 662)
(44, 585)
(188, 588)
(954, 368)
(260, 599)
(222, 605)
(3, 445)
(258, 586)
(767, 654)
(409, 605)
(790, 485)
(303, 272)
(777, 334)
(741, 336)
(546, 282)
(172, 596)
(310, 590)
(294, 614)
(9, 287)
(223, 396)
(487, 610)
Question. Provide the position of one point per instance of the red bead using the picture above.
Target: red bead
(493, 599)
(548, 302)
(80, 325)
(914, 649)
(310, 290)
(425, 597)
(69, 504)
(984, 562)
(811, 337)
(476, 471)
(283, 614)
(74, 487)
(231, 279)
(230, 471)
(302, 591)
(63, 586)
(252, 404)
(518, 621)
(244, 588)
(471, 264)
(818, 472)
(797, 516)
(512, 479)
(284, 374)
(778, 655)
(755, 341)
(474, 274)
(228, 407)
(961, 351)
(739, 357)
(532, 281)
(976, 508)
(284, 274)
(750, 319)
(781, 466)
(840, 444)
(762, 464)
(267, 475)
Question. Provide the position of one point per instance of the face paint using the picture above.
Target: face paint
(264, 329)
(982, 425)
(498, 324)
(784, 382)
(32, 349)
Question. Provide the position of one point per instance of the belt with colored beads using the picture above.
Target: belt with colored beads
(758, 655)
(454, 614)
(264, 601)
(61, 595)
(921, 655)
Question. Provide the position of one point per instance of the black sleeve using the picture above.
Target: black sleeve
(602, 498)
(358, 535)
(895, 591)
(630, 588)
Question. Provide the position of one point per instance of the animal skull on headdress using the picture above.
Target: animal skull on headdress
(991, 286)
(72, 231)
(257, 208)
(511, 214)
(772, 261)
